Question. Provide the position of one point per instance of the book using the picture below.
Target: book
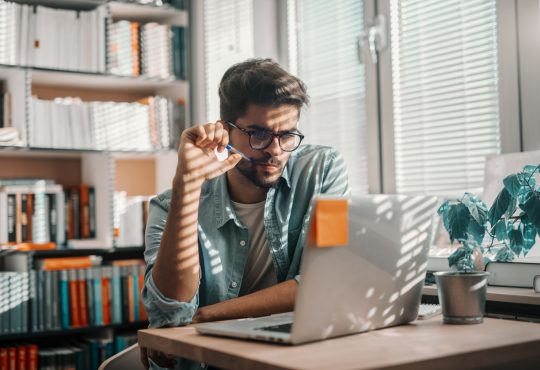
(82, 295)
(3, 357)
(64, 290)
(32, 357)
(65, 263)
(4, 303)
(106, 293)
(116, 287)
(21, 357)
(512, 274)
(89, 278)
(97, 290)
(72, 299)
(55, 300)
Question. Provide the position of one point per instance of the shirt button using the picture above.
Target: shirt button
(242, 242)
(234, 284)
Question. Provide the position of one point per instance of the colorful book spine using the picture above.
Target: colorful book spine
(32, 357)
(81, 286)
(98, 304)
(116, 295)
(142, 309)
(74, 301)
(21, 357)
(64, 299)
(55, 300)
(135, 277)
(90, 296)
(106, 294)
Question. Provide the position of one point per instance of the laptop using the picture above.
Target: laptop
(374, 281)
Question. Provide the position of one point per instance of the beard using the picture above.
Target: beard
(250, 172)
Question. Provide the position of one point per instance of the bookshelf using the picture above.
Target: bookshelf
(96, 166)
(72, 332)
(137, 171)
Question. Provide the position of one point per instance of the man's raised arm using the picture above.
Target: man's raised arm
(176, 271)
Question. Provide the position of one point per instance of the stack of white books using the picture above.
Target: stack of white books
(123, 48)
(156, 53)
(52, 38)
(69, 123)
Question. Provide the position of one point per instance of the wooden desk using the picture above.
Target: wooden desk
(428, 344)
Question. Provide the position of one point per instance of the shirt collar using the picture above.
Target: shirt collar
(224, 210)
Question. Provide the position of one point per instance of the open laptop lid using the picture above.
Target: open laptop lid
(376, 279)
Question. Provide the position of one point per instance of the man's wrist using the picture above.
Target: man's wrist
(188, 182)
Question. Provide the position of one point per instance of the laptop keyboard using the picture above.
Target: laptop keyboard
(282, 328)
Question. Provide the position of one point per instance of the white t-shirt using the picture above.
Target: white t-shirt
(259, 270)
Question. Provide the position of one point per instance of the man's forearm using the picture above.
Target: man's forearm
(276, 299)
(176, 271)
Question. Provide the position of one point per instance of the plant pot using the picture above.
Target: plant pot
(462, 296)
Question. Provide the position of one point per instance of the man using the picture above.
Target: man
(226, 241)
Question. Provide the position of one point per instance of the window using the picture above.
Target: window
(228, 39)
(445, 93)
(327, 58)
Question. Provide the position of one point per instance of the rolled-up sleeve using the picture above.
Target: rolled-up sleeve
(161, 310)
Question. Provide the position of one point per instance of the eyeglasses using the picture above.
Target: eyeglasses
(261, 139)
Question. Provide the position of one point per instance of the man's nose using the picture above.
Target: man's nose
(274, 149)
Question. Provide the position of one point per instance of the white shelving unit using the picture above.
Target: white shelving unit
(143, 13)
(97, 167)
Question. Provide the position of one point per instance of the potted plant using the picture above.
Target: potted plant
(508, 229)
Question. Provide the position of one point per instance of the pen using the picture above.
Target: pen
(230, 148)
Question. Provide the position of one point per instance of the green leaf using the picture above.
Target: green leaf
(500, 205)
(504, 255)
(512, 207)
(459, 258)
(476, 232)
(531, 168)
(458, 222)
(501, 232)
(532, 208)
(515, 183)
(477, 208)
(529, 236)
(443, 212)
(516, 240)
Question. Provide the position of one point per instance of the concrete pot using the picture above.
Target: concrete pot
(462, 296)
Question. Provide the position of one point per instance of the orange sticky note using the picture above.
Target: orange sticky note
(330, 226)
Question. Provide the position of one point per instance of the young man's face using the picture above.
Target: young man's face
(270, 162)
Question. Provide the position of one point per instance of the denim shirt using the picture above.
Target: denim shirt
(224, 241)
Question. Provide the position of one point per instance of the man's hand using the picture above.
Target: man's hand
(161, 359)
(196, 158)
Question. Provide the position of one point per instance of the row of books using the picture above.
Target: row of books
(70, 123)
(53, 38)
(39, 211)
(53, 297)
(150, 49)
(82, 354)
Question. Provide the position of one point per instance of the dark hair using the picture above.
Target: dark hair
(261, 82)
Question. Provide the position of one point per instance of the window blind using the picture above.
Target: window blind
(327, 60)
(228, 39)
(445, 93)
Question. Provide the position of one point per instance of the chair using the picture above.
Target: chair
(126, 359)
